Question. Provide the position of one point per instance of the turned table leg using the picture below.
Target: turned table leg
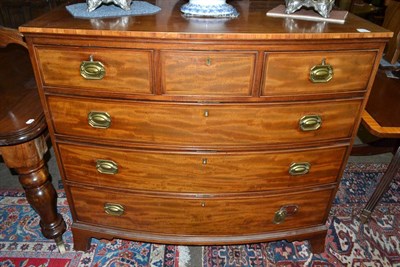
(382, 187)
(27, 160)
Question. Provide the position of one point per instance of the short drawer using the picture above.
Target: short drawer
(102, 70)
(207, 73)
(197, 125)
(308, 72)
(200, 172)
(201, 215)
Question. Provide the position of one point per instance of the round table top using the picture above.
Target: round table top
(382, 113)
(21, 113)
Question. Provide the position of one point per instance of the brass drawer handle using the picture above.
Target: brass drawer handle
(310, 123)
(99, 119)
(206, 113)
(106, 166)
(299, 168)
(283, 212)
(321, 73)
(114, 209)
(92, 70)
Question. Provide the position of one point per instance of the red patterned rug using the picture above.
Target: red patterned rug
(22, 244)
(348, 243)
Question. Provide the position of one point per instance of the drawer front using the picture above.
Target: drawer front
(289, 73)
(125, 71)
(204, 125)
(207, 73)
(200, 172)
(202, 215)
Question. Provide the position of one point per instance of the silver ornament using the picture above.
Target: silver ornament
(323, 7)
(93, 4)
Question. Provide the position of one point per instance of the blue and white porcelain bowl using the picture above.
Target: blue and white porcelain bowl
(209, 8)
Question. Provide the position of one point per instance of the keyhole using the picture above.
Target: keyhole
(208, 61)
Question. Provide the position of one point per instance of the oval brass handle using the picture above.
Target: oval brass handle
(92, 70)
(283, 212)
(280, 216)
(299, 168)
(106, 166)
(321, 73)
(114, 209)
(99, 119)
(310, 123)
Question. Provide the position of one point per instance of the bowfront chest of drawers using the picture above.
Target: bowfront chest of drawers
(202, 131)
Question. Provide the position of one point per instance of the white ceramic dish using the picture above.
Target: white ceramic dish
(209, 8)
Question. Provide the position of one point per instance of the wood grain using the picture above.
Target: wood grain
(23, 131)
(219, 73)
(201, 215)
(351, 72)
(19, 122)
(383, 104)
(201, 172)
(381, 116)
(83, 232)
(126, 71)
(240, 112)
(376, 129)
(25, 154)
(185, 124)
(252, 24)
(26, 159)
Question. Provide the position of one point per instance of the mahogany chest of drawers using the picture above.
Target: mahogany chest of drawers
(202, 131)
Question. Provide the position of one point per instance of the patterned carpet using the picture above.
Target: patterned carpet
(348, 243)
(22, 244)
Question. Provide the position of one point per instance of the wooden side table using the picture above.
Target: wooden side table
(22, 133)
(382, 119)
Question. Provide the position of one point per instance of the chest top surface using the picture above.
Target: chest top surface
(169, 23)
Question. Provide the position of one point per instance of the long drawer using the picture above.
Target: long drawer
(203, 125)
(293, 73)
(96, 69)
(200, 172)
(212, 216)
